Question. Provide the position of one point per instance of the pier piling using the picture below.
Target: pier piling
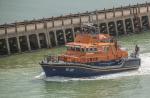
(49, 32)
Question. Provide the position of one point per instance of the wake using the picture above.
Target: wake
(143, 70)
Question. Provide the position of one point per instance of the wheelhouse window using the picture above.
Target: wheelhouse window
(87, 49)
(91, 49)
(70, 48)
(77, 49)
(82, 50)
(95, 49)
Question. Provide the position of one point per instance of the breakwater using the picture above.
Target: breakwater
(49, 32)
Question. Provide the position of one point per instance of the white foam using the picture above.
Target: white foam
(40, 76)
(145, 64)
(143, 70)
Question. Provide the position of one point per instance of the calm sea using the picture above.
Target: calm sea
(20, 10)
(21, 76)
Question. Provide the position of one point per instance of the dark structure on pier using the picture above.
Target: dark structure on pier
(49, 32)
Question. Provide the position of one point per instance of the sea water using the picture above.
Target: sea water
(22, 77)
(20, 10)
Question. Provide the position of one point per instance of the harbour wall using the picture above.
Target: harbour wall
(31, 35)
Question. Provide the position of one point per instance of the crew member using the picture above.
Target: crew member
(137, 49)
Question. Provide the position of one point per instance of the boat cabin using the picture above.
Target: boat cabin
(91, 46)
(88, 48)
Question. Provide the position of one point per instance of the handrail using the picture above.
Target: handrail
(51, 58)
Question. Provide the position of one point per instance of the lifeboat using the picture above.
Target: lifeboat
(91, 54)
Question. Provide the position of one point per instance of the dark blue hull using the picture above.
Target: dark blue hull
(83, 70)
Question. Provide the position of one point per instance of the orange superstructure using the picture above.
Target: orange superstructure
(92, 48)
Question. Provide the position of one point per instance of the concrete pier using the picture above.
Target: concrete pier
(49, 32)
